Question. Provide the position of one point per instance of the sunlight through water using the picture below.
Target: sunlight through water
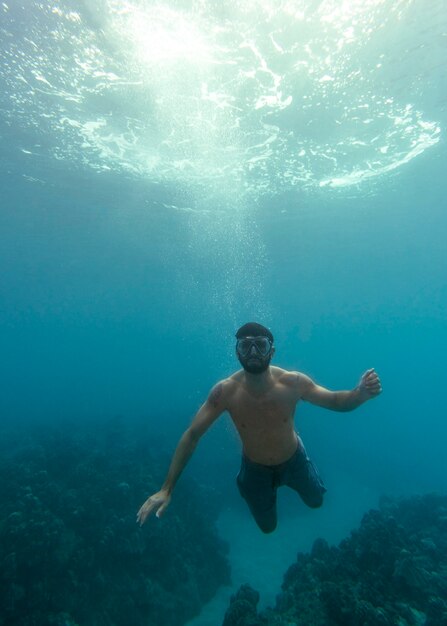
(256, 97)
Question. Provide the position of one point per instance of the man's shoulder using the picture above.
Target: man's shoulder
(227, 384)
(285, 376)
(235, 376)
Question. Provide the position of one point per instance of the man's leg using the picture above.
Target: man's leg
(257, 486)
(301, 475)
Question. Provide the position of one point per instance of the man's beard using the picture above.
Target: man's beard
(257, 366)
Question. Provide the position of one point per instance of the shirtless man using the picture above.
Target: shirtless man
(261, 400)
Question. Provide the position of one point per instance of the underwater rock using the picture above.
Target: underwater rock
(390, 571)
(242, 610)
(410, 570)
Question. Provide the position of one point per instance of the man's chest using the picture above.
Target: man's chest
(261, 409)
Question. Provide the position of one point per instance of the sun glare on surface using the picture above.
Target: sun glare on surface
(163, 35)
(260, 95)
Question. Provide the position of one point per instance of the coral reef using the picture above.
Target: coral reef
(392, 571)
(71, 553)
(242, 611)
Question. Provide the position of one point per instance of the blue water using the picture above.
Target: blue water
(169, 173)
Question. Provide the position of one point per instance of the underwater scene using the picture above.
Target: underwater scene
(223, 296)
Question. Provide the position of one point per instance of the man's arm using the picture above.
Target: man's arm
(368, 387)
(212, 408)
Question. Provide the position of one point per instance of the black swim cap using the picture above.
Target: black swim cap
(253, 329)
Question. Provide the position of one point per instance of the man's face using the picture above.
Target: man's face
(254, 354)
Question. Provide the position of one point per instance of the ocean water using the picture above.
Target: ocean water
(171, 170)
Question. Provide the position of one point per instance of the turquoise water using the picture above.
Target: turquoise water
(169, 173)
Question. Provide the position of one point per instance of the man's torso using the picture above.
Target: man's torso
(265, 419)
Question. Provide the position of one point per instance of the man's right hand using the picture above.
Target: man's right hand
(158, 503)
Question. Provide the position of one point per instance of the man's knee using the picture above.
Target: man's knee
(315, 501)
(266, 521)
(267, 527)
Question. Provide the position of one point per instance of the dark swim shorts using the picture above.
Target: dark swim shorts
(258, 485)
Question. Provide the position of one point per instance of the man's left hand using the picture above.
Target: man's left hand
(370, 385)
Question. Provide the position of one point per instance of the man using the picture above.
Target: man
(261, 400)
